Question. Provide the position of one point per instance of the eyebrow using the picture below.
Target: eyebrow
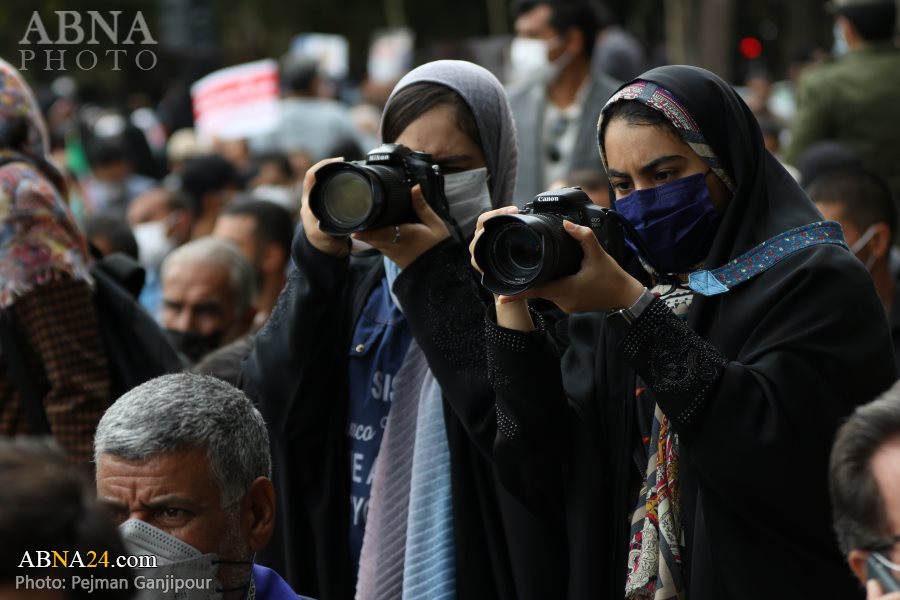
(111, 502)
(155, 504)
(649, 166)
(165, 501)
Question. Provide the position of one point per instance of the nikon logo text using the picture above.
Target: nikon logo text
(93, 29)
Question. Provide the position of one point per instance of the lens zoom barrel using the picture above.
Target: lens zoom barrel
(526, 250)
(351, 197)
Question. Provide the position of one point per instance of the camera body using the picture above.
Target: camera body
(375, 192)
(519, 251)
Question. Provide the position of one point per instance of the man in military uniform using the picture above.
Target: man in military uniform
(855, 100)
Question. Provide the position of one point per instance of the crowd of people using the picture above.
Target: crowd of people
(198, 364)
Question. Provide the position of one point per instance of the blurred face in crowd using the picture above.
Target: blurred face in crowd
(271, 173)
(886, 471)
(870, 250)
(437, 132)
(642, 157)
(240, 229)
(177, 493)
(153, 206)
(112, 172)
(535, 25)
(198, 300)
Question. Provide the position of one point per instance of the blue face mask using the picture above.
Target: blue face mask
(676, 220)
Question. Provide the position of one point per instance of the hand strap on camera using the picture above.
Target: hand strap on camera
(644, 252)
(765, 256)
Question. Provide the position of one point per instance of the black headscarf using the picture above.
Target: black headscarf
(766, 199)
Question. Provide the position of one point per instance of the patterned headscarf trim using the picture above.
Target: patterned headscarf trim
(660, 99)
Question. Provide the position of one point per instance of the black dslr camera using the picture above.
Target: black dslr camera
(373, 193)
(519, 251)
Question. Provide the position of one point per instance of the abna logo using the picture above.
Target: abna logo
(94, 29)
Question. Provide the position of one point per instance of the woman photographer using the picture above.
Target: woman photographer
(689, 433)
(383, 354)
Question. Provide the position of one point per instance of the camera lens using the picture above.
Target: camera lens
(519, 249)
(517, 253)
(347, 199)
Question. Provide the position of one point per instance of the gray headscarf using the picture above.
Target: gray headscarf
(487, 99)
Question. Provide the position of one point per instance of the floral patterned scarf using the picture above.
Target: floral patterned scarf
(39, 240)
(656, 549)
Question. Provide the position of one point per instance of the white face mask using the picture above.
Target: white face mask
(178, 563)
(530, 62)
(468, 196)
(864, 239)
(153, 243)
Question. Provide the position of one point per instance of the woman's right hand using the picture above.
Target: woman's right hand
(329, 244)
(511, 315)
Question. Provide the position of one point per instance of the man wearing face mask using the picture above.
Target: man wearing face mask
(553, 95)
(834, 99)
(208, 296)
(861, 202)
(160, 221)
(183, 465)
(863, 474)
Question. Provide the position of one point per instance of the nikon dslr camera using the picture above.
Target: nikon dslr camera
(375, 192)
(519, 251)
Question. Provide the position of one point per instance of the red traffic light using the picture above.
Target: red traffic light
(750, 47)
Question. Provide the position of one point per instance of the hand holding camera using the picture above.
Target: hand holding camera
(542, 253)
(403, 243)
(387, 201)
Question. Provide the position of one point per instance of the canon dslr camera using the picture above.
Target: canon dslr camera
(519, 251)
(373, 193)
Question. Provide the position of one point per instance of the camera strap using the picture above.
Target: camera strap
(644, 252)
(765, 256)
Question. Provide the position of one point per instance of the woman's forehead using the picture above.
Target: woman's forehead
(630, 145)
(437, 132)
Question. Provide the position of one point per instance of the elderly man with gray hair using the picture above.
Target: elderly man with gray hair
(208, 291)
(865, 493)
(183, 464)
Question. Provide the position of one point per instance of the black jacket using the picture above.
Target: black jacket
(297, 374)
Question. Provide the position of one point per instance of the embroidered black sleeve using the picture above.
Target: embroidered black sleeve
(443, 303)
(679, 366)
(523, 369)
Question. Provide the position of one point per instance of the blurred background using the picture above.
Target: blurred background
(195, 36)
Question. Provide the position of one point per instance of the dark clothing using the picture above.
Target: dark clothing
(59, 336)
(268, 585)
(894, 320)
(297, 375)
(755, 384)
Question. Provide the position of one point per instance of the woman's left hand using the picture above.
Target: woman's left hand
(600, 285)
(406, 242)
